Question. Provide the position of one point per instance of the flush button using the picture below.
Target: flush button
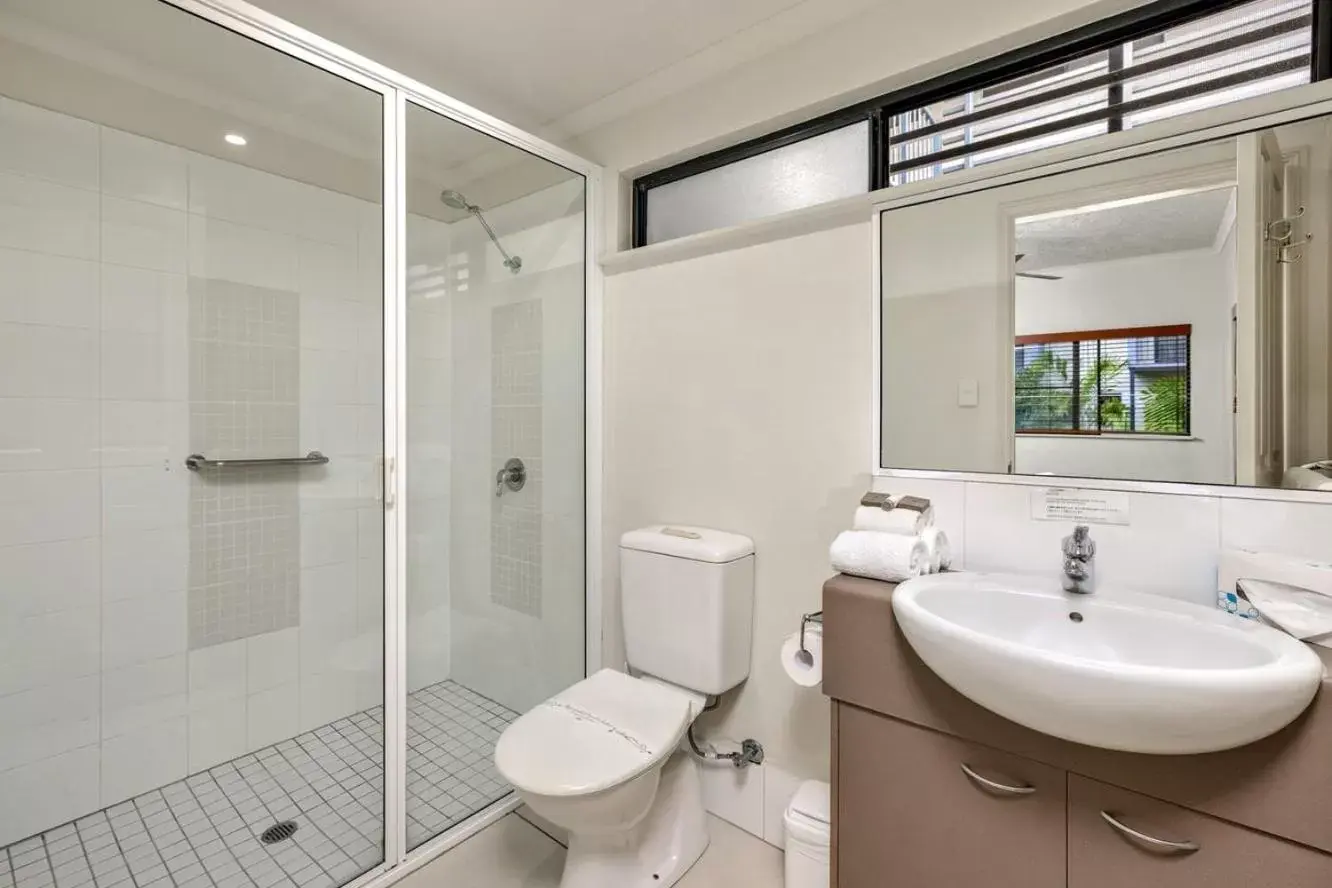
(682, 533)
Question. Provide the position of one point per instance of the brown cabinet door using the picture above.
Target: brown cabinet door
(1198, 851)
(909, 815)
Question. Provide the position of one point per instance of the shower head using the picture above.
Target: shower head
(457, 201)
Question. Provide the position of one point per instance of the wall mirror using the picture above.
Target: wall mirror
(1159, 318)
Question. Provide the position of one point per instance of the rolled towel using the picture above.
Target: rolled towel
(890, 557)
(907, 522)
(936, 543)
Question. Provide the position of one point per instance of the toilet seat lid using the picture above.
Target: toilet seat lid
(603, 731)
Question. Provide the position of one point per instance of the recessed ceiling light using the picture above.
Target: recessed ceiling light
(235, 139)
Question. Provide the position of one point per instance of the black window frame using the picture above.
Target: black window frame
(1100, 36)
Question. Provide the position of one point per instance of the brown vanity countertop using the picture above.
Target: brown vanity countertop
(1281, 784)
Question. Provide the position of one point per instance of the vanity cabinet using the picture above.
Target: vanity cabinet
(905, 814)
(920, 820)
(1226, 856)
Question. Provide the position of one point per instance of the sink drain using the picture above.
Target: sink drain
(279, 832)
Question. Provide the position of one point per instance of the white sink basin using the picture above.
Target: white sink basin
(1119, 670)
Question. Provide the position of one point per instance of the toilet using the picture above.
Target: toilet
(604, 759)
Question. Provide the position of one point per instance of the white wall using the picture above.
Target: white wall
(100, 697)
(1195, 287)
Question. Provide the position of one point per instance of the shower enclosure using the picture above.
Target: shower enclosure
(293, 467)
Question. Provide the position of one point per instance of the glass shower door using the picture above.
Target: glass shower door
(191, 539)
(495, 588)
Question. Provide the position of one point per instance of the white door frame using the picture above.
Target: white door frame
(396, 89)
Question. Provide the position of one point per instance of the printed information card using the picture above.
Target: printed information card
(1078, 506)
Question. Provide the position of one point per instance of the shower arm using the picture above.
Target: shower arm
(513, 263)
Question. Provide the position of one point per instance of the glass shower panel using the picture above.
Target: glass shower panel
(495, 461)
(191, 535)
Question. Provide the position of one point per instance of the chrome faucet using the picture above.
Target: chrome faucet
(1079, 555)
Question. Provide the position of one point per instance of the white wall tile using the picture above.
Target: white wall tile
(1303, 530)
(1001, 535)
(217, 734)
(38, 288)
(328, 377)
(47, 506)
(48, 648)
(142, 563)
(143, 235)
(328, 272)
(141, 300)
(273, 715)
(135, 763)
(143, 169)
(328, 538)
(326, 698)
(47, 433)
(48, 721)
(48, 218)
(44, 578)
(45, 793)
(48, 362)
(145, 433)
(218, 673)
(144, 367)
(735, 795)
(331, 323)
(273, 658)
(135, 698)
(229, 252)
(332, 429)
(138, 498)
(779, 786)
(140, 629)
(228, 191)
(47, 145)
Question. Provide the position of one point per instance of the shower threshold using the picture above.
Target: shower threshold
(208, 829)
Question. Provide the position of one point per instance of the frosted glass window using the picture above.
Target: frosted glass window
(817, 170)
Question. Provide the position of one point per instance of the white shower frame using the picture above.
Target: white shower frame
(396, 90)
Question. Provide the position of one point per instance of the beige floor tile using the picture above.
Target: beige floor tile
(514, 854)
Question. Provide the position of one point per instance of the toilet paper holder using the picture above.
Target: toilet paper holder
(805, 620)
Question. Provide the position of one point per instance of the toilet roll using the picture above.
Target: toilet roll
(805, 676)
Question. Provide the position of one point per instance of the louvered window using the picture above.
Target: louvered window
(1103, 382)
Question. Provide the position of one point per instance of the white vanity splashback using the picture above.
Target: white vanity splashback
(1169, 546)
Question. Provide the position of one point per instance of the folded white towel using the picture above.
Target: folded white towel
(906, 522)
(880, 556)
(936, 543)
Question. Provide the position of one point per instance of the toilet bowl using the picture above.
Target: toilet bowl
(603, 760)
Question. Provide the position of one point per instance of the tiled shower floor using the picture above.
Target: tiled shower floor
(203, 831)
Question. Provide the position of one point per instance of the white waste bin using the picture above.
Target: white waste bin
(808, 836)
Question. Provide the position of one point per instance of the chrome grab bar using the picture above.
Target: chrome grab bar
(196, 461)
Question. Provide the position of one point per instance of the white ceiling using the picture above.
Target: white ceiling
(1170, 224)
(537, 62)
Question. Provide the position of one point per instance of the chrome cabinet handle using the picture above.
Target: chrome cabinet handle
(1000, 788)
(1150, 842)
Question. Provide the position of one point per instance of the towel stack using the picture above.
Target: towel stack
(893, 539)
